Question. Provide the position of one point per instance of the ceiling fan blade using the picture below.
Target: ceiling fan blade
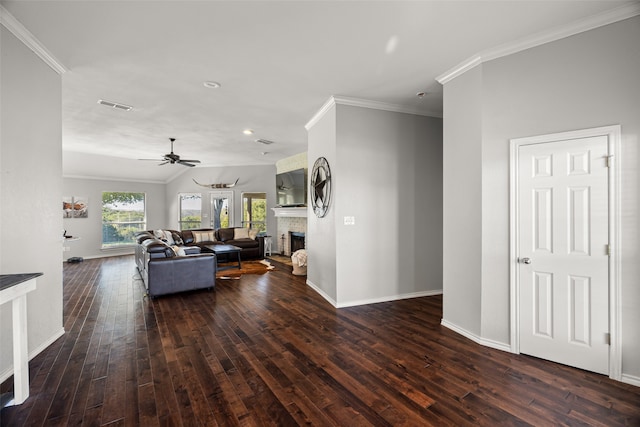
(185, 163)
(152, 160)
(163, 163)
(189, 161)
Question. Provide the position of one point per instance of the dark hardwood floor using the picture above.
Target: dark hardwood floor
(267, 350)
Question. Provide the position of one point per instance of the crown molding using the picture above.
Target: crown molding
(385, 106)
(365, 103)
(620, 13)
(321, 112)
(25, 36)
(106, 178)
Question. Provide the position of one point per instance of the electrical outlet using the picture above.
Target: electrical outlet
(349, 220)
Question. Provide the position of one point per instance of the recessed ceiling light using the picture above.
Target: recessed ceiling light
(212, 85)
(248, 131)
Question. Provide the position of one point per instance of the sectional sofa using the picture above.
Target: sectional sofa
(171, 261)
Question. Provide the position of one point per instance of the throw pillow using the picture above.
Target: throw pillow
(168, 237)
(177, 239)
(203, 236)
(253, 233)
(240, 233)
(165, 236)
(178, 250)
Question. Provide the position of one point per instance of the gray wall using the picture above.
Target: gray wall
(90, 229)
(321, 232)
(387, 173)
(462, 201)
(30, 191)
(584, 81)
(389, 176)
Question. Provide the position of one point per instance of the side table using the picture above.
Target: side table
(14, 288)
(267, 245)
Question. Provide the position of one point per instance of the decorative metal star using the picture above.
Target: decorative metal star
(320, 187)
(319, 184)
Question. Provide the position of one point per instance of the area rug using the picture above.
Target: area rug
(281, 258)
(248, 267)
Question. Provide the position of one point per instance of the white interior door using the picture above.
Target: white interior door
(563, 264)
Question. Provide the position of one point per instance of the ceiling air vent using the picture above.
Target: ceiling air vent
(264, 141)
(115, 105)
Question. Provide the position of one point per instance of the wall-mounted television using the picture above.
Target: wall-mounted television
(291, 188)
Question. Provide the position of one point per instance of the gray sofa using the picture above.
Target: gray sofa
(165, 272)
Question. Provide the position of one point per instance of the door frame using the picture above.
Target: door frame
(228, 194)
(614, 135)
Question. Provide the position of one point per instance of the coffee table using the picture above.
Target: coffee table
(225, 250)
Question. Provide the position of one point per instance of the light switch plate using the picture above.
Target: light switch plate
(349, 220)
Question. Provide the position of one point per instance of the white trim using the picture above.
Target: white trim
(390, 298)
(630, 379)
(33, 353)
(611, 16)
(384, 106)
(321, 112)
(366, 103)
(475, 338)
(298, 212)
(614, 137)
(459, 69)
(104, 178)
(322, 293)
(25, 36)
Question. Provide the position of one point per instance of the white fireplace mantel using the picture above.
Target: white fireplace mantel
(300, 212)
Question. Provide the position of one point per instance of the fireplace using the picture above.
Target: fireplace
(296, 241)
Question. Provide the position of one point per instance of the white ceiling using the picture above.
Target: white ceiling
(278, 62)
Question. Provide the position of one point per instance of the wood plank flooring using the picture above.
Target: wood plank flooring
(267, 350)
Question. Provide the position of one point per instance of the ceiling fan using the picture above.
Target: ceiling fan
(173, 158)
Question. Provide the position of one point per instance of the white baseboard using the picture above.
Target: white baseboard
(630, 379)
(475, 338)
(333, 302)
(33, 353)
(390, 298)
(322, 293)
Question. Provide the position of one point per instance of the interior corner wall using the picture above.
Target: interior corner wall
(321, 232)
(388, 177)
(462, 202)
(30, 191)
(584, 81)
(89, 228)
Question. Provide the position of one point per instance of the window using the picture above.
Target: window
(190, 210)
(254, 211)
(123, 215)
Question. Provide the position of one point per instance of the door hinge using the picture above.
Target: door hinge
(608, 249)
(609, 160)
(607, 338)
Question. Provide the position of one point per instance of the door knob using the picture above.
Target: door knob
(525, 260)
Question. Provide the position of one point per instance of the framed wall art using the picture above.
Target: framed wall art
(75, 207)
